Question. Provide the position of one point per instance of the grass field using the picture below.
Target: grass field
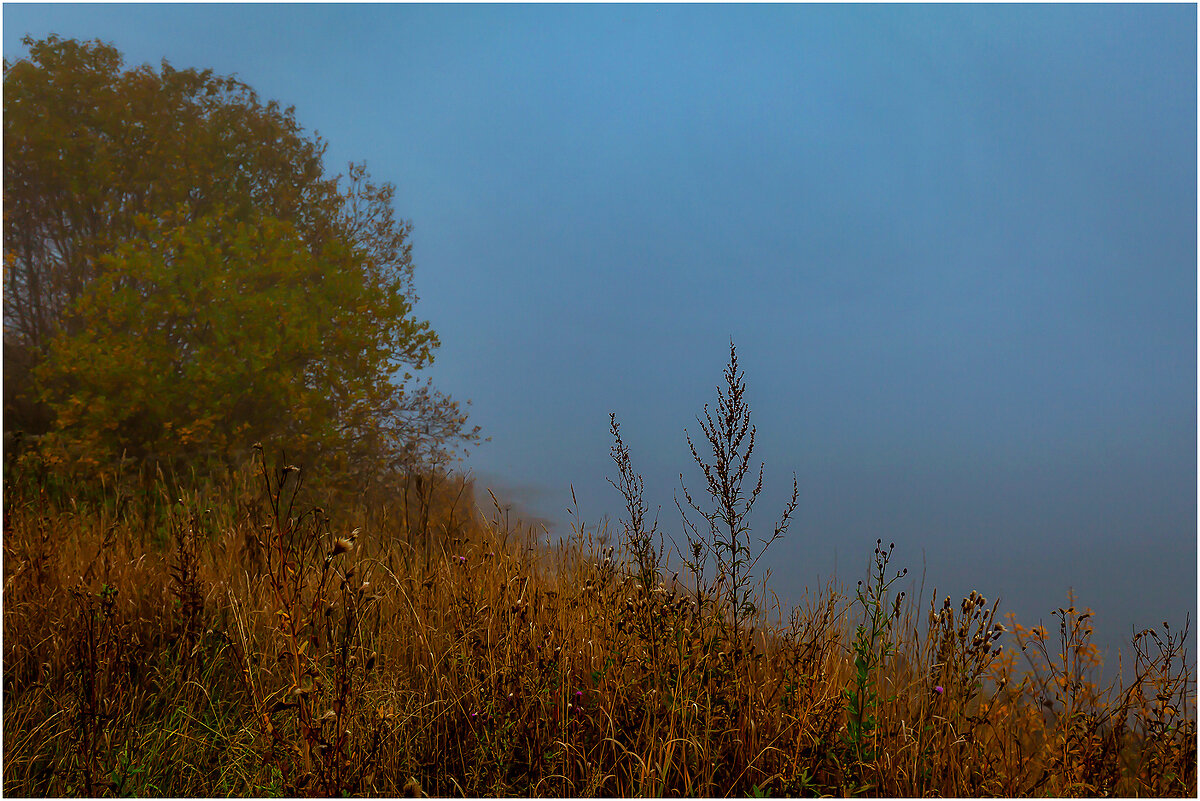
(238, 641)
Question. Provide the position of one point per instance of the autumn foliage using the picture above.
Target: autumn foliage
(183, 278)
(275, 648)
(182, 281)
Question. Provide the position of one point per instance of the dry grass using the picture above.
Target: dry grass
(244, 641)
(268, 651)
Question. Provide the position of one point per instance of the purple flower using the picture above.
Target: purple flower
(938, 689)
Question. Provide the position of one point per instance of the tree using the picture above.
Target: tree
(182, 278)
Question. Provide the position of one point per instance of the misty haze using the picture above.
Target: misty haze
(386, 390)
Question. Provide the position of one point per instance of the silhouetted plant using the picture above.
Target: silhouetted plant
(639, 539)
(731, 439)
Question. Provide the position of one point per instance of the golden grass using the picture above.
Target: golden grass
(246, 644)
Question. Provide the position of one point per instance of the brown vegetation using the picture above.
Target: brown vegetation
(243, 640)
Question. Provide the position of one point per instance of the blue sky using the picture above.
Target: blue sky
(955, 246)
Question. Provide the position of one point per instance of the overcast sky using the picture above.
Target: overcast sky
(955, 247)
